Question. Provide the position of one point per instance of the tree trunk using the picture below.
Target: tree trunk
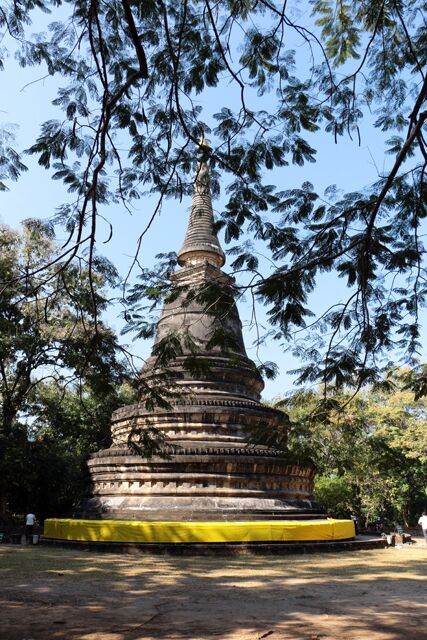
(405, 514)
(6, 426)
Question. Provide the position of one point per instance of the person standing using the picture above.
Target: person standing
(423, 522)
(30, 520)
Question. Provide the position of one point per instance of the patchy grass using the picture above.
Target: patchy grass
(75, 595)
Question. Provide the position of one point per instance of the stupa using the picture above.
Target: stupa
(209, 471)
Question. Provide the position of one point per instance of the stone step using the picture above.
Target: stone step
(224, 549)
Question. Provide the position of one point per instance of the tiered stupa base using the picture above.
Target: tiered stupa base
(233, 484)
(200, 498)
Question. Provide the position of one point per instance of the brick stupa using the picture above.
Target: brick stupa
(211, 472)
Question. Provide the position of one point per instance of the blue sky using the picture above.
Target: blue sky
(25, 101)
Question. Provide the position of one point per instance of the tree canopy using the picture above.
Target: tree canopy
(370, 450)
(48, 333)
(132, 74)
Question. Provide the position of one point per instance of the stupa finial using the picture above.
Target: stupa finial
(201, 242)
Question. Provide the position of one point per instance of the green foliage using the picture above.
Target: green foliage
(10, 164)
(134, 72)
(147, 441)
(370, 450)
(335, 494)
(49, 330)
(417, 381)
(46, 459)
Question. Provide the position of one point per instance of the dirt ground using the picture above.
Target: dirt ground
(75, 595)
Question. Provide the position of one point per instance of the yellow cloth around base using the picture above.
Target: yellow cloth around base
(188, 532)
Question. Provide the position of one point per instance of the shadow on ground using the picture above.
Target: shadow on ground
(75, 595)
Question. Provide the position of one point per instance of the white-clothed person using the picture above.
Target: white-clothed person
(423, 522)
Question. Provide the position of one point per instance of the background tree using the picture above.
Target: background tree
(370, 450)
(47, 456)
(133, 71)
(48, 331)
